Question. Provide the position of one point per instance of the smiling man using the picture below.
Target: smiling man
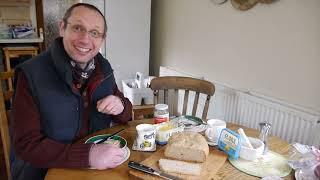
(61, 96)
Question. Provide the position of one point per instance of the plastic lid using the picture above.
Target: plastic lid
(161, 106)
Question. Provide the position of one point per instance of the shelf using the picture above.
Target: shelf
(15, 3)
(30, 40)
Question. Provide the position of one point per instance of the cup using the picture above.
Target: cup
(146, 136)
(213, 131)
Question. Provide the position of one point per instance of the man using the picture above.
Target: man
(61, 96)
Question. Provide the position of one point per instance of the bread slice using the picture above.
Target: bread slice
(180, 167)
(187, 146)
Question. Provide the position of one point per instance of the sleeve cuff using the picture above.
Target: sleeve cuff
(79, 155)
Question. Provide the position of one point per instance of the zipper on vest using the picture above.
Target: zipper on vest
(80, 115)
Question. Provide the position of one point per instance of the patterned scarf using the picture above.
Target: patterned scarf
(79, 75)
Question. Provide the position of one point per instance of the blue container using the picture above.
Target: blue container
(230, 142)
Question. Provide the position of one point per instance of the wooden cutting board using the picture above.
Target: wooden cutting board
(214, 162)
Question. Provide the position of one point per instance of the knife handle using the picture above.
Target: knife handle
(141, 167)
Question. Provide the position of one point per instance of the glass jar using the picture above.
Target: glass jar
(161, 113)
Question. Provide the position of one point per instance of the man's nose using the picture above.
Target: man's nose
(85, 36)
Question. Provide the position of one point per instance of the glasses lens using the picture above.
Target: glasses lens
(94, 33)
(77, 28)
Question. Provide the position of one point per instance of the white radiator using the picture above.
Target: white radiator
(289, 122)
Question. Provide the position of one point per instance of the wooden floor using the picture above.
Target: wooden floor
(3, 173)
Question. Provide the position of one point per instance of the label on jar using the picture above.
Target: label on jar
(159, 118)
(161, 113)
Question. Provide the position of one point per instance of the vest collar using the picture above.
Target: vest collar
(61, 61)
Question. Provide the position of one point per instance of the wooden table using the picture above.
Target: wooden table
(121, 172)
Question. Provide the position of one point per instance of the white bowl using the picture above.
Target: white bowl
(252, 154)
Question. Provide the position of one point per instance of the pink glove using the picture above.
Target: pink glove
(104, 156)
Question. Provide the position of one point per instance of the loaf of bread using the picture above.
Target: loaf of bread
(187, 146)
(180, 167)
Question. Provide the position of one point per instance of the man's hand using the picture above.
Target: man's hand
(110, 105)
(105, 156)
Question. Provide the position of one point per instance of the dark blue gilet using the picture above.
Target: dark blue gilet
(50, 80)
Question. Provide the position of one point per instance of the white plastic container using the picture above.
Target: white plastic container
(251, 154)
(135, 94)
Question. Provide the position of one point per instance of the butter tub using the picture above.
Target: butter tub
(165, 130)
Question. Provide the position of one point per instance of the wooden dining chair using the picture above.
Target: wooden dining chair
(142, 111)
(11, 52)
(185, 84)
(5, 96)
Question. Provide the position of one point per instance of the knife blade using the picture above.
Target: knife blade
(108, 137)
(149, 170)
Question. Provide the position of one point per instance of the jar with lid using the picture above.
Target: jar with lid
(161, 113)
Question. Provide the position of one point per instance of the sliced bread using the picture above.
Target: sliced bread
(180, 167)
(187, 146)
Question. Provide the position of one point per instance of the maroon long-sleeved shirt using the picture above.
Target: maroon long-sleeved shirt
(31, 144)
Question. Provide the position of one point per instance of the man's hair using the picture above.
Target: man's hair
(89, 6)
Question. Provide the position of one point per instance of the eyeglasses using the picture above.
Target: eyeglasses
(80, 29)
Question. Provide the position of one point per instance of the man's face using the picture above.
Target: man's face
(82, 38)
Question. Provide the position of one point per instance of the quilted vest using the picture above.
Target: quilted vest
(50, 80)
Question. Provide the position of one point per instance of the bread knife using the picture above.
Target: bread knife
(149, 170)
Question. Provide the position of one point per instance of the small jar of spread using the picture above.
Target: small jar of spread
(161, 113)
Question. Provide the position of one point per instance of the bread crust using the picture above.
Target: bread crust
(187, 146)
(180, 167)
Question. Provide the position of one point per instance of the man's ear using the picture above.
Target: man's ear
(62, 28)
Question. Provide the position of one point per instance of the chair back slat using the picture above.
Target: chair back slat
(175, 101)
(155, 97)
(187, 84)
(206, 107)
(6, 75)
(185, 102)
(5, 95)
(195, 103)
(165, 96)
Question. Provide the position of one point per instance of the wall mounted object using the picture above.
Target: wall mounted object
(218, 1)
(244, 5)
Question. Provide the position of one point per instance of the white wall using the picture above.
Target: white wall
(128, 37)
(272, 49)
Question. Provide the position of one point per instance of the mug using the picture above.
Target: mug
(146, 136)
(213, 131)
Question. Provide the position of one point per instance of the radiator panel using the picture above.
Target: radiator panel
(289, 122)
